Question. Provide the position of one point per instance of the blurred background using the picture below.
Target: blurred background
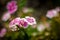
(46, 28)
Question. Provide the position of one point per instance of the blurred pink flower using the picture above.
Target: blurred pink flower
(23, 23)
(6, 16)
(12, 7)
(13, 24)
(30, 20)
(17, 22)
(41, 27)
(51, 13)
(3, 32)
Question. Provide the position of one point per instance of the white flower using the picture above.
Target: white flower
(30, 20)
(41, 27)
(51, 13)
(6, 16)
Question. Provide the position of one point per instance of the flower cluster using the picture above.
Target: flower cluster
(21, 22)
(11, 9)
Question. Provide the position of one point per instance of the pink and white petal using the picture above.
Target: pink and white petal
(23, 23)
(14, 22)
(51, 13)
(30, 20)
(6, 16)
(3, 32)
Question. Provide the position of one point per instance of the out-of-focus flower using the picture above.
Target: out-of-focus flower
(6, 16)
(41, 27)
(30, 20)
(12, 7)
(57, 9)
(3, 32)
(26, 10)
(51, 13)
(23, 23)
(13, 24)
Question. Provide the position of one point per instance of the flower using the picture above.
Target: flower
(30, 20)
(23, 23)
(12, 7)
(6, 16)
(51, 13)
(13, 24)
(2, 32)
(41, 27)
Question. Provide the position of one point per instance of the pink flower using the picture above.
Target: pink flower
(30, 20)
(41, 27)
(12, 7)
(51, 13)
(2, 32)
(13, 24)
(23, 23)
(18, 22)
(6, 16)
(14, 21)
